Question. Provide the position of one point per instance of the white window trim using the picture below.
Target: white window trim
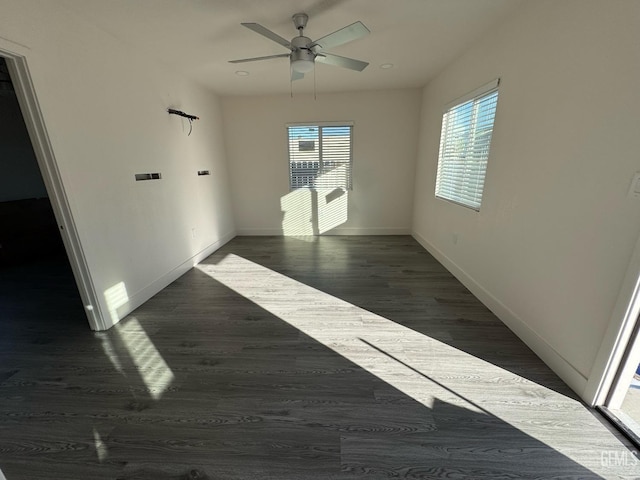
(476, 93)
(492, 85)
(318, 124)
(321, 124)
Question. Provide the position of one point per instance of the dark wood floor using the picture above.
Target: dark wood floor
(286, 358)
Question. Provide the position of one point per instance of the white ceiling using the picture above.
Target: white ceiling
(198, 37)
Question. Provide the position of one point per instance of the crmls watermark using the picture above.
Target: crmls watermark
(619, 458)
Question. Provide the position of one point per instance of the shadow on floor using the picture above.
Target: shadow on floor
(394, 277)
(203, 383)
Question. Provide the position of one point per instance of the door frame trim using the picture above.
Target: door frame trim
(619, 334)
(33, 118)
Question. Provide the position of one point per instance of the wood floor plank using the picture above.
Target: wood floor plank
(286, 358)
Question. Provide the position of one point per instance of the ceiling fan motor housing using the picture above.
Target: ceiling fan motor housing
(300, 43)
(302, 60)
(301, 56)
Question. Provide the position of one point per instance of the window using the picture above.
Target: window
(467, 125)
(320, 156)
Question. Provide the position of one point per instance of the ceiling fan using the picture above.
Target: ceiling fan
(305, 52)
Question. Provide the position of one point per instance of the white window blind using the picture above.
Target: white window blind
(465, 139)
(320, 156)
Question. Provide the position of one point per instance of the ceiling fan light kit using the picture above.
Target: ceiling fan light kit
(305, 52)
(301, 62)
(302, 58)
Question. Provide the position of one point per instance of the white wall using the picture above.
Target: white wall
(19, 174)
(549, 248)
(385, 137)
(104, 106)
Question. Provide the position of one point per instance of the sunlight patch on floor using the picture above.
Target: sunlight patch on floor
(154, 371)
(101, 449)
(140, 352)
(421, 367)
(109, 351)
(357, 334)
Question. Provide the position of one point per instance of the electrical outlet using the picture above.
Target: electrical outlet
(454, 238)
(193, 233)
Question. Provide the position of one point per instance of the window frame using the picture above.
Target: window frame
(470, 201)
(320, 126)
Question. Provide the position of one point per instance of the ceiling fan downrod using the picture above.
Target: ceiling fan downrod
(300, 21)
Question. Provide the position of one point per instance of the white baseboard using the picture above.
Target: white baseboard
(141, 296)
(255, 232)
(258, 232)
(368, 231)
(572, 377)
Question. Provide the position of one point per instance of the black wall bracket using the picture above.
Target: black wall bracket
(191, 118)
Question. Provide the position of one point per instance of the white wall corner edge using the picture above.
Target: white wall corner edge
(144, 294)
(572, 377)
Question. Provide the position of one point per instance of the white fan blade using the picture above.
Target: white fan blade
(340, 37)
(243, 60)
(265, 32)
(338, 61)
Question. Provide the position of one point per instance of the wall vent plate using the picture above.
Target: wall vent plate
(148, 176)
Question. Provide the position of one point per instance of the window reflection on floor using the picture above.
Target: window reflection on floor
(140, 353)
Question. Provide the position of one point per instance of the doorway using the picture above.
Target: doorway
(29, 228)
(34, 267)
(42, 193)
(622, 403)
